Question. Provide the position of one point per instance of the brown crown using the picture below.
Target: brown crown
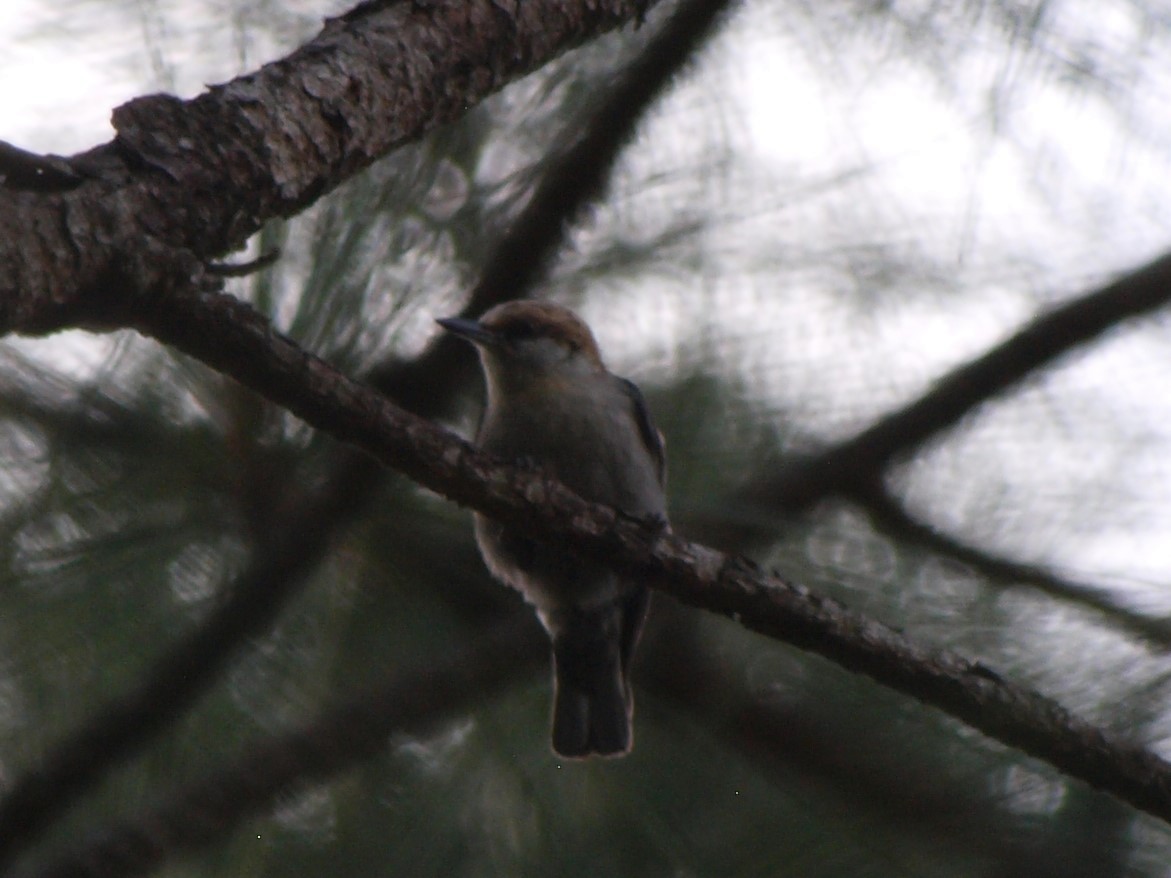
(526, 319)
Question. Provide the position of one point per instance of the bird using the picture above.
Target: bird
(552, 403)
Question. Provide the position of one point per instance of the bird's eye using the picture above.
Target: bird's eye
(519, 330)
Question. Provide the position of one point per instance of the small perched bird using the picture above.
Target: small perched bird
(552, 403)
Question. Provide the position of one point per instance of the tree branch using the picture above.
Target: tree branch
(229, 336)
(194, 179)
(855, 468)
(891, 516)
(21, 169)
(794, 487)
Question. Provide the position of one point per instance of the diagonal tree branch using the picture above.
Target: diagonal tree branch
(855, 468)
(229, 336)
(191, 180)
(794, 487)
(891, 516)
(21, 169)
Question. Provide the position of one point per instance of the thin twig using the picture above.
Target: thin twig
(243, 269)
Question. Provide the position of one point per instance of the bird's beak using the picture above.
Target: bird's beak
(471, 330)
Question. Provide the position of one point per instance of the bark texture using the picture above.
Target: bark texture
(186, 181)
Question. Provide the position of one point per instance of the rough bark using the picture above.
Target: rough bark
(186, 181)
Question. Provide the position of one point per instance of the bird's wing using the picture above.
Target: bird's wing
(651, 437)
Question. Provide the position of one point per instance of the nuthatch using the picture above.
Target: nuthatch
(552, 403)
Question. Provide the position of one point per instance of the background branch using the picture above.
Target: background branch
(791, 487)
(578, 176)
(796, 747)
(892, 517)
(413, 700)
(174, 682)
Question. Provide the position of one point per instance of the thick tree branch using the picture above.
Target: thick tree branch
(194, 179)
(21, 169)
(227, 335)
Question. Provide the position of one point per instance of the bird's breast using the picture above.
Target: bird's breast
(589, 441)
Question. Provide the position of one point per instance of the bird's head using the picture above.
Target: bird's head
(525, 344)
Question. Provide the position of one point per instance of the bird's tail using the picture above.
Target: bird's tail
(592, 701)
